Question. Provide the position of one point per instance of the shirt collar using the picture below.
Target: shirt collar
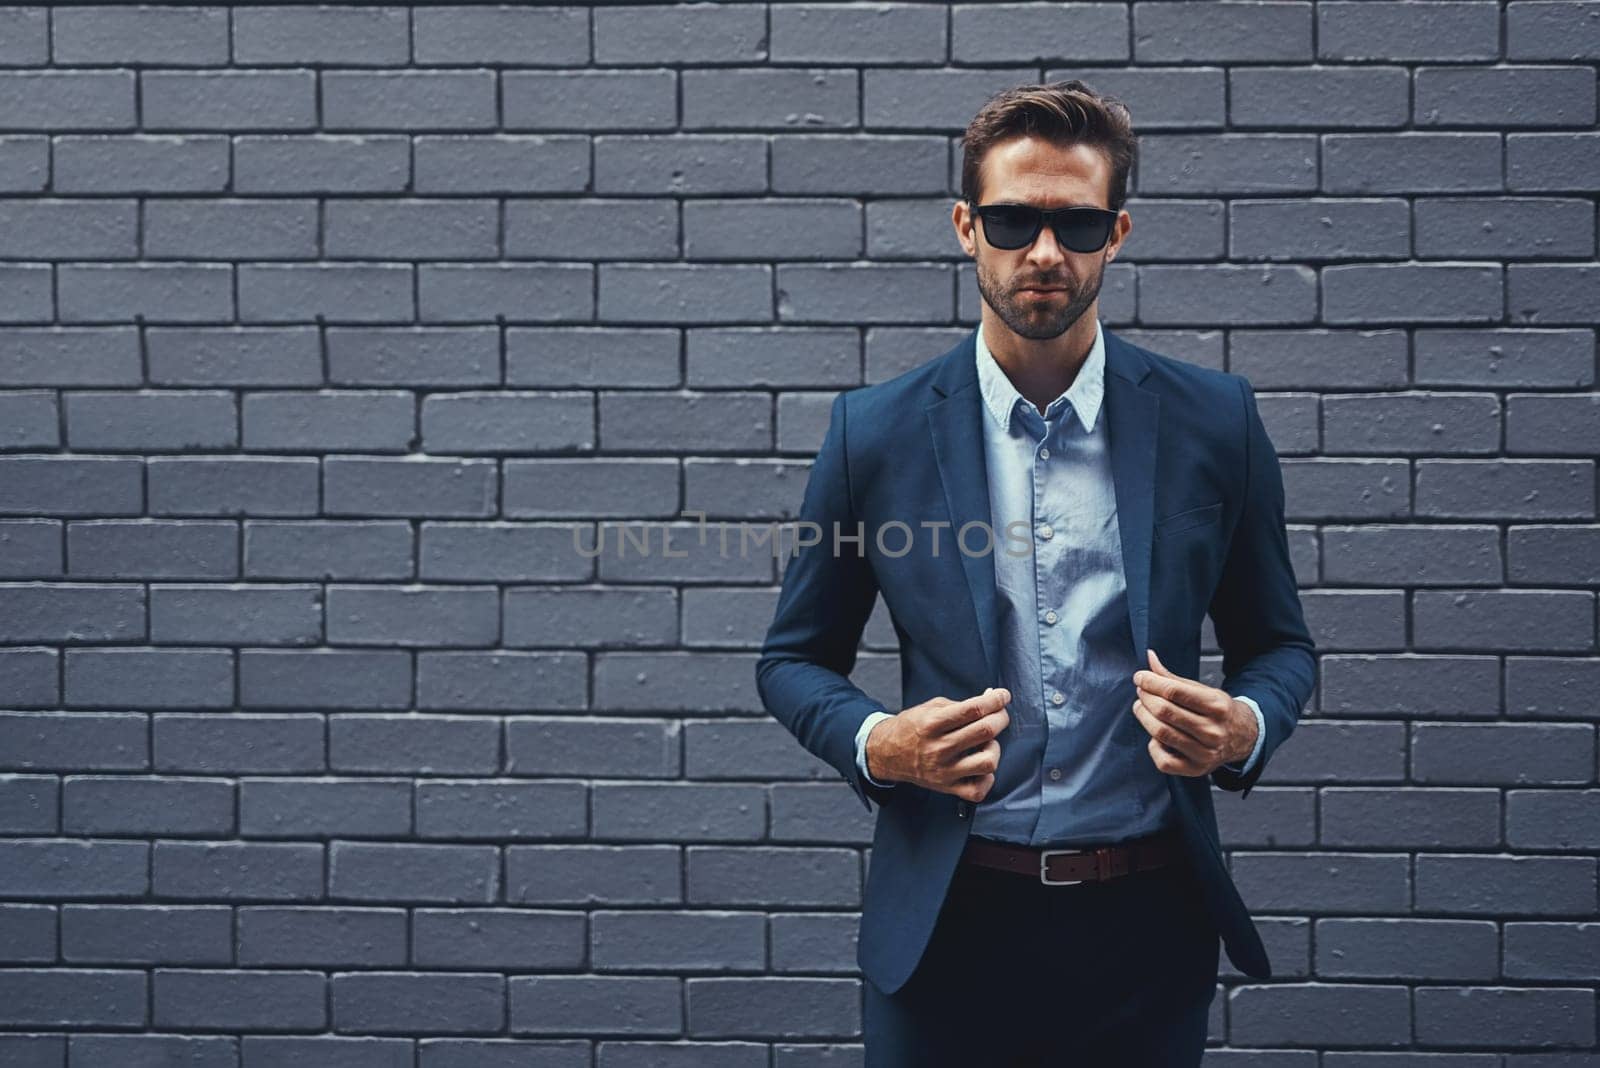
(1001, 398)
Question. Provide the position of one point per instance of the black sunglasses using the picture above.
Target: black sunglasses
(1014, 226)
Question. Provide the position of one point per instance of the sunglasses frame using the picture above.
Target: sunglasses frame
(1053, 216)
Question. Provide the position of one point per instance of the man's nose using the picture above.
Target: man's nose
(1045, 249)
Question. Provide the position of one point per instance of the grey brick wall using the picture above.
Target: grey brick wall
(323, 329)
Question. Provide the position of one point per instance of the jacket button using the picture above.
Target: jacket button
(961, 809)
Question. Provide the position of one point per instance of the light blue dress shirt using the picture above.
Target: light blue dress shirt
(1074, 764)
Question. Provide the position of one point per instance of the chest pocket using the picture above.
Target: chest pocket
(1189, 519)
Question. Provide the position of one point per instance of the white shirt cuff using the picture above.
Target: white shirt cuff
(1261, 734)
(861, 745)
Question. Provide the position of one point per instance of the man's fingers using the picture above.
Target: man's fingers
(976, 720)
(961, 713)
(977, 732)
(1187, 693)
(981, 761)
(974, 790)
(1201, 728)
(1189, 739)
(1174, 763)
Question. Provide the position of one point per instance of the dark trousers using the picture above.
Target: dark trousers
(1018, 973)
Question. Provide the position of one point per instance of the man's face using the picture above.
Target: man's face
(1028, 170)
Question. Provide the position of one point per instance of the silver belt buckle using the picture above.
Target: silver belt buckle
(1044, 867)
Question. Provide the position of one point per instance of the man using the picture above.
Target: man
(1046, 884)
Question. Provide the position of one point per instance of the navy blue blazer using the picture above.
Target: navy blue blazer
(1201, 511)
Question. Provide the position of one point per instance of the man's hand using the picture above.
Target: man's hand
(943, 745)
(1194, 728)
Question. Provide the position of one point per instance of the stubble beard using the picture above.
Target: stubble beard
(1035, 319)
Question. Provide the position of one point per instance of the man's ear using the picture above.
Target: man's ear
(961, 218)
(1119, 233)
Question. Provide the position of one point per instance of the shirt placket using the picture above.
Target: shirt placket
(1047, 534)
(1050, 530)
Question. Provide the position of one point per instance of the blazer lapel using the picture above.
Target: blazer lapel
(1133, 421)
(955, 424)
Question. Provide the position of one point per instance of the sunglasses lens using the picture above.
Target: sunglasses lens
(1083, 231)
(1010, 226)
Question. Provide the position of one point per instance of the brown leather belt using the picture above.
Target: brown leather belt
(1065, 867)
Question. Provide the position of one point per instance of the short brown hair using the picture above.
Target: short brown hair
(1061, 112)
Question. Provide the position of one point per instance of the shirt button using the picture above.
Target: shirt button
(1044, 454)
(1050, 617)
(1046, 533)
(1055, 773)
(1056, 698)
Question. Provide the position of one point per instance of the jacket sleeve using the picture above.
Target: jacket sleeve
(827, 595)
(1266, 648)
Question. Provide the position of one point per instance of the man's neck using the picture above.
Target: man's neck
(1040, 370)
